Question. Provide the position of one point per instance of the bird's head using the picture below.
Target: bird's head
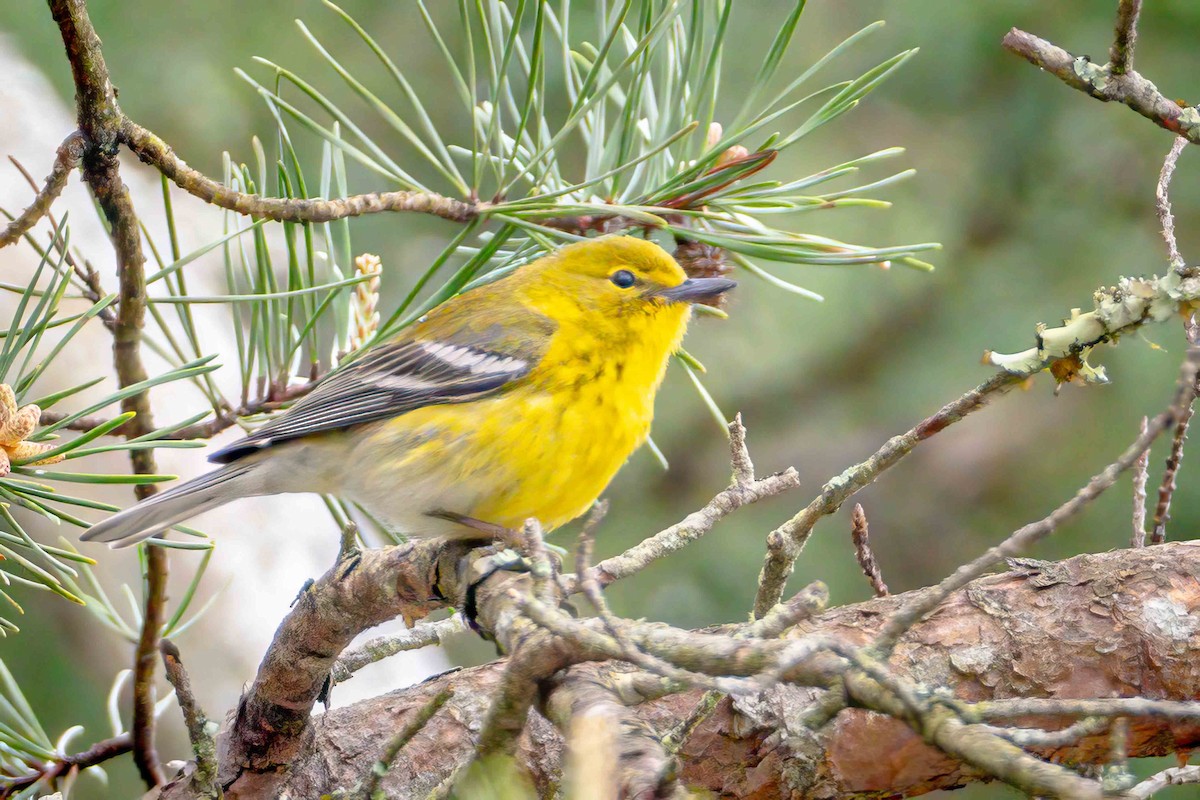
(617, 277)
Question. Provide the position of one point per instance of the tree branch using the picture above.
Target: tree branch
(993, 639)
(99, 118)
(67, 158)
(1103, 82)
(1026, 536)
(272, 721)
(1175, 776)
(211, 427)
(204, 779)
(1162, 202)
(424, 634)
(785, 543)
(52, 771)
(155, 152)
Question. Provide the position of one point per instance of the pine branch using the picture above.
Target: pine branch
(99, 119)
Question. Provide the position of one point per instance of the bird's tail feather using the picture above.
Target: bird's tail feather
(157, 513)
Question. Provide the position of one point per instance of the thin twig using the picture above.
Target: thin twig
(592, 741)
(1120, 56)
(1108, 707)
(515, 696)
(808, 602)
(89, 279)
(1166, 490)
(372, 790)
(611, 752)
(785, 543)
(83, 424)
(1141, 474)
(862, 551)
(272, 402)
(1116, 772)
(588, 581)
(591, 588)
(1036, 737)
(740, 492)
(200, 729)
(927, 601)
(65, 160)
(52, 770)
(155, 152)
(1162, 202)
(1175, 776)
(538, 559)
(423, 634)
(739, 453)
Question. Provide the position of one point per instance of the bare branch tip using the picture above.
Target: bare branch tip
(862, 551)
(739, 453)
(1140, 477)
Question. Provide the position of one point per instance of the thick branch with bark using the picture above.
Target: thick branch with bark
(1119, 624)
(900, 695)
(363, 590)
(272, 729)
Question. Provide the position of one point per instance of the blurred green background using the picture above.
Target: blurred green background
(1038, 193)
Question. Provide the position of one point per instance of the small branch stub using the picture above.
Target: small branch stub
(862, 551)
(1141, 474)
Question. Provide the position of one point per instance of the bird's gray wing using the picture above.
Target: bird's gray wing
(392, 379)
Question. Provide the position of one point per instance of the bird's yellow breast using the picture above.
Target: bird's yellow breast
(545, 449)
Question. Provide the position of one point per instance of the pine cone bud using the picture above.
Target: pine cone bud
(700, 260)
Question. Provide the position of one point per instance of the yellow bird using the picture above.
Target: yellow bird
(521, 398)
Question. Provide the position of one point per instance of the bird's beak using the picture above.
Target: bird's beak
(695, 290)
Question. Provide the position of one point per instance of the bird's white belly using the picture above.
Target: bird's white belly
(403, 503)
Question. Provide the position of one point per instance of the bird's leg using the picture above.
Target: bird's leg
(512, 539)
(491, 530)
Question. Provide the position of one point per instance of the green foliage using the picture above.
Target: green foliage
(39, 331)
(636, 142)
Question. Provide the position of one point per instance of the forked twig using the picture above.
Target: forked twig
(66, 159)
(785, 543)
(744, 490)
(927, 601)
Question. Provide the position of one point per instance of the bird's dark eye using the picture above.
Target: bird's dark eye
(623, 278)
